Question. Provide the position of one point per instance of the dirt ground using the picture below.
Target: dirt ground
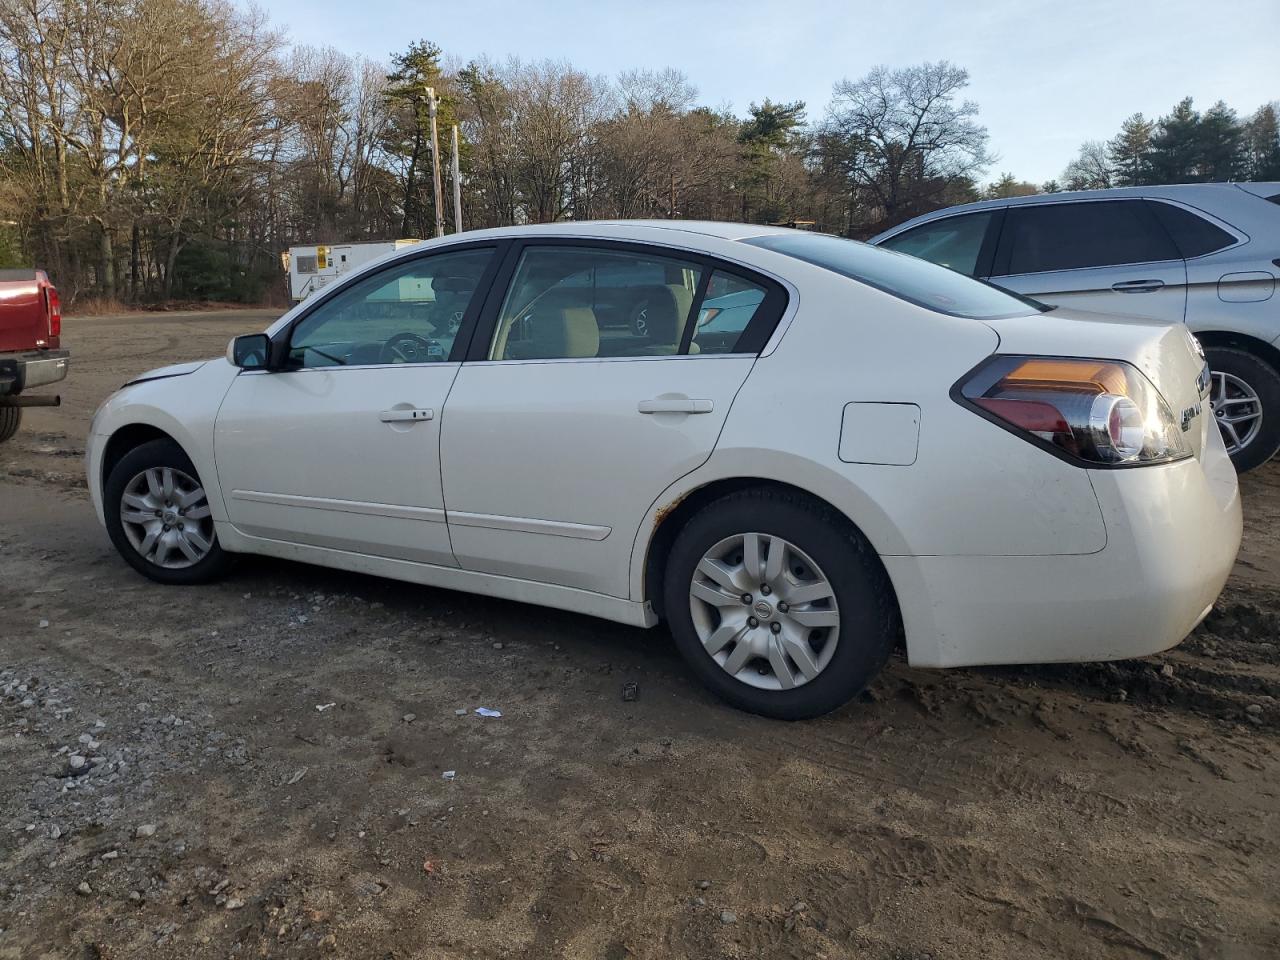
(259, 768)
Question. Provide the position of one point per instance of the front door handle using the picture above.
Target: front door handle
(1137, 286)
(675, 404)
(396, 415)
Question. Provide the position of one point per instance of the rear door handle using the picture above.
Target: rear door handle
(1137, 286)
(397, 415)
(677, 404)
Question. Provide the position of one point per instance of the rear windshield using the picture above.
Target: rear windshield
(908, 278)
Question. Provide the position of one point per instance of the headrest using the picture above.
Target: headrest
(667, 311)
(569, 332)
(452, 285)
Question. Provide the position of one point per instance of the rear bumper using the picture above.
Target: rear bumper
(22, 371)
(1172, 536)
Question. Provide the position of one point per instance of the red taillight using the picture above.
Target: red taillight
(1099, 412)
(54, 306)
(1030, 415)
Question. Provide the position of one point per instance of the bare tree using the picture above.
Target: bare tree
(903, 138)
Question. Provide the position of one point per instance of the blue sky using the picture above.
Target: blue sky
(1046, 75)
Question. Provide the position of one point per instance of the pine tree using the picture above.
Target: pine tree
(1262, 144)
(1175, 146)
(1221, 144)
(1130, 152)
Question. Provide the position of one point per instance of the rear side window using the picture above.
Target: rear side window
(730, 305)
(953, 242)
(1193, 235)
(1074, 236)
(908, 278)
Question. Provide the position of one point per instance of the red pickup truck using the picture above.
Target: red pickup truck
(30, 347)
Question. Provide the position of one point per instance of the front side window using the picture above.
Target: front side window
(583, 302)
(1076, 236)
(409, 313)
(953, 242)
(908, 278)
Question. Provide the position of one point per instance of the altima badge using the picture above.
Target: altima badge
(1188, 415)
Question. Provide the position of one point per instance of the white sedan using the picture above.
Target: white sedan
(880, 452)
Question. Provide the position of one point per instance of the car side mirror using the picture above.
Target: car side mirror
(249, 352)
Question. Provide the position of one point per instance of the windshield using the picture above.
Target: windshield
(908, 278)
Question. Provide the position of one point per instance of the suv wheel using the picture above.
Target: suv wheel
(778, 605)
(10, 421)
(1245, 399)
(158, 516)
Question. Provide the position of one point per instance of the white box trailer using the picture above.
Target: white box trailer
(313, 267)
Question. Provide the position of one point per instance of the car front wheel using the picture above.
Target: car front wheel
(158, 516)
(1245, 399)
(778, 604)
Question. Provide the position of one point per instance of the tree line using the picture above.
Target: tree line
(156, 149)
(1184, 146)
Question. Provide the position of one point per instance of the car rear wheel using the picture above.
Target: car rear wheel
(1245, 400)
(158, 516)
(10, 421)
(778, 604)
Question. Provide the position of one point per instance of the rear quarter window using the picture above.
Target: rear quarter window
(1193, 235)
(905, 277)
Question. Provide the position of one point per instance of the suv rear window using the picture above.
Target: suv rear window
(1194, 236)
(905, 277)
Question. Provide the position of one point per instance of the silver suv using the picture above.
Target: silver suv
(1206, 253)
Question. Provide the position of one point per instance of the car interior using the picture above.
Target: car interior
(556, 301)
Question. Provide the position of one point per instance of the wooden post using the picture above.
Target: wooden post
(457, 185)
(437, 191)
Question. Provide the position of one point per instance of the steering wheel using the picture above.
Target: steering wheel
(410, 348)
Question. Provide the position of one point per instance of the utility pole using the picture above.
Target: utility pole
(435, 163)
(457, 185)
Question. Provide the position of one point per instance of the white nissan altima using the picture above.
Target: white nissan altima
(811, 451)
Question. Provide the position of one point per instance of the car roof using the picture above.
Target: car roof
(623, 229)
(1205, 192)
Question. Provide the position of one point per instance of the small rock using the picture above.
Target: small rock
(76, 762)
(630, 691)
(704, 884)
(728, 916)
(145, 830)
(572, 855)
(1167, 671)
(55, 832)
(460, 712)
(699, 902)
(84, 889)
(497, 646)
(330, 942)
(233, 903)
(135, 896)
(111, 855)
(409, 718)
(44, 624)
(799, 907)
(1253, 708)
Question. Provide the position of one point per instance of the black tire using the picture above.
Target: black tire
(1265, 382)
(869, 622)
(156, 453)
(10, 421)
